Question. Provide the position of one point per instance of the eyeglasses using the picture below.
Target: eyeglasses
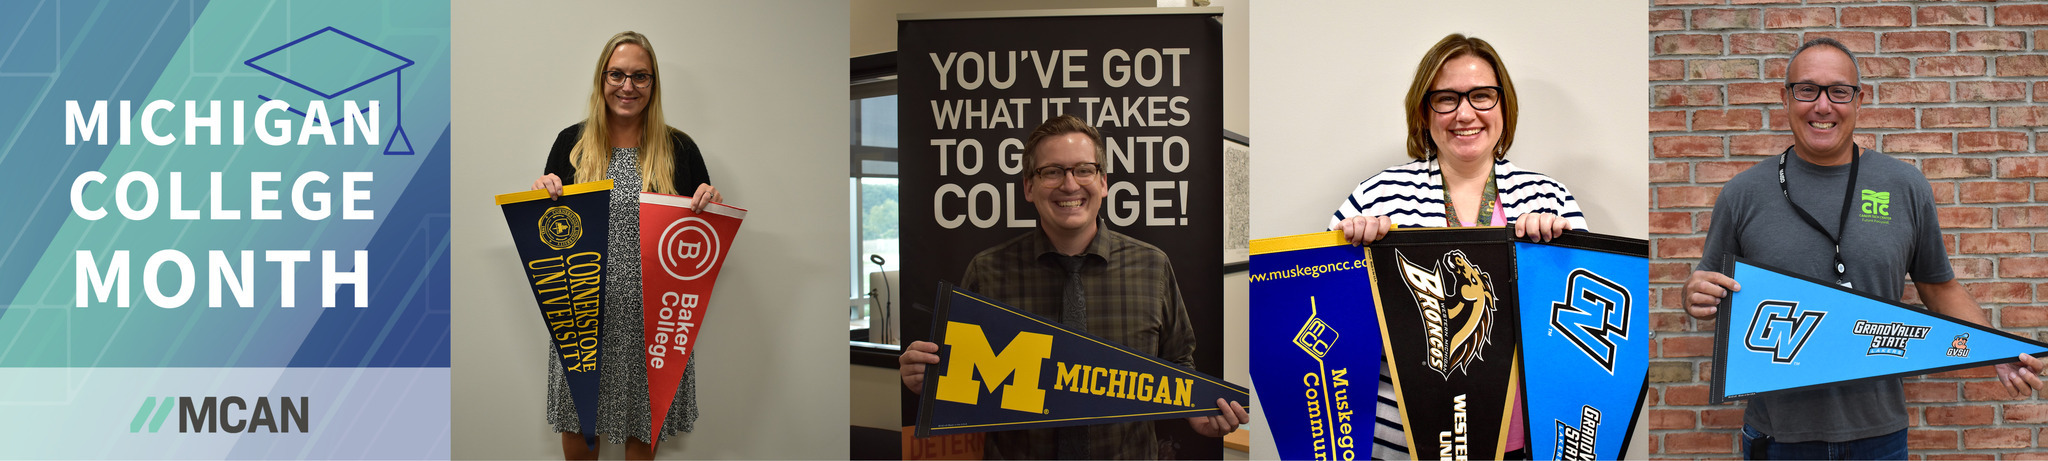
(1053, 175)
(1446, 101)
(640, 80)
(1810, 92)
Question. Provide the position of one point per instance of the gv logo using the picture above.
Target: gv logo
(688, 246)
(1784, 332)
(1018, 363)
(1598, 310)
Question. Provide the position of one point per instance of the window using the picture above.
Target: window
(871, 185)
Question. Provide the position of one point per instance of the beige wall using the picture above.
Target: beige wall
(1331, 77)
(761, 85)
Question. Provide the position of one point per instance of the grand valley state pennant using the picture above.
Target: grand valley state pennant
(1006, 369)
(1585, 343)
(680, 254)
(1784, 332)
(561, 243)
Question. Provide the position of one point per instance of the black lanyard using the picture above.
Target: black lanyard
(1848, 199)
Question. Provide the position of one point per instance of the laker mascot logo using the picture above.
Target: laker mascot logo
(1606, 303)
(1457, 309)
(1784, 333)
(1018, 363)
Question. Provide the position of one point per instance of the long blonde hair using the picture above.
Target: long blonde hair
(593, 154)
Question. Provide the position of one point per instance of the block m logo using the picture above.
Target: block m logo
(1018, 363)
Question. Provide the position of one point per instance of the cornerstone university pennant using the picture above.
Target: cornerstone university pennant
(562, 242)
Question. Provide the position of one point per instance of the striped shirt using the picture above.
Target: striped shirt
(1412, 195)
(1132, 299)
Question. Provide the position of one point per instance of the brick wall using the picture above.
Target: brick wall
(1958, 88)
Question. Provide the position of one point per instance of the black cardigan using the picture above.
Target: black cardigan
(689, 162)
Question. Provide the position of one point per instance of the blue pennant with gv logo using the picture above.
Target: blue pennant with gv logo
(1005, 369)
(1785, 332)
(1585, 340)
(1315, 345)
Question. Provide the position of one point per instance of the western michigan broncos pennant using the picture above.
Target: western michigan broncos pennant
(1316, 345)
(1785, 332)
(1585, 343)
(680, 254)
(1447, 308)
(562, 245)
(1006, 369)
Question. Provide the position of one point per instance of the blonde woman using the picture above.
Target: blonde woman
(624, 138)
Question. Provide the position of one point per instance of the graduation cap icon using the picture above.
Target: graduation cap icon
(331, 63)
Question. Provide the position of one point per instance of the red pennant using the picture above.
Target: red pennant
(680, 254)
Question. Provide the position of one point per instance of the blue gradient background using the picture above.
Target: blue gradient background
(194, 50)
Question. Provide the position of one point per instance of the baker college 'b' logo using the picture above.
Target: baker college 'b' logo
(1457, 303)
(1784, 332)
(1598, 311)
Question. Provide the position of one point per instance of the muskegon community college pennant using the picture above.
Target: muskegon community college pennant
(561, 243)
(1006, 369)
(680, 254)
(1316, 345)
(1785, 332)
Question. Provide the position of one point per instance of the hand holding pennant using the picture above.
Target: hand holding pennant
(1784, 332)
(680, 254)
(1006, 369)
(562, 245)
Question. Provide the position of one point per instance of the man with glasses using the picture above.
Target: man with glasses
(1800, 211)
(1090, 278)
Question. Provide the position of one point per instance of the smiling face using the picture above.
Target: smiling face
(624, 101)
(1821, 129)
(1466, 135)
(1069, 206)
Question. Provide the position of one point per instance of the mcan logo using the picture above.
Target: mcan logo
(1598, 312)
(1784, 332)
(1889, 338)
(688, 246)
(231, 414)
(1457, 303)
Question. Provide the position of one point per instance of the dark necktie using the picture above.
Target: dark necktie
(1073, 440)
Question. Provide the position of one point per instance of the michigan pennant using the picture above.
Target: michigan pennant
(561, 243)
(1585, 343)
(680, 254)
(1006, 369)
(1784, 332)
(1317, 345)
(1447, 306)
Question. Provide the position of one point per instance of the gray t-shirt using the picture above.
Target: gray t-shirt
(1892, 232)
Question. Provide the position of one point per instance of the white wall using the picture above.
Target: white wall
(761, 85)
(1329, 79)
